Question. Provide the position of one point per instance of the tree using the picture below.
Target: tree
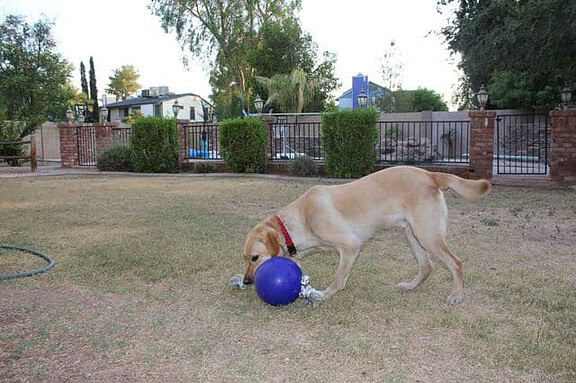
(284, 49)
(83, 82)
(525, 51)
(290, 92)
(426, 99)
(391, 70)
(33, 76)
(94, 92)
(124, 81)
(222, 32)
(418, 100)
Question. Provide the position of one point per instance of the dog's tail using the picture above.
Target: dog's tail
(469, 189)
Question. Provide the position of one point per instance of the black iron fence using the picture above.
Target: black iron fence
(522, 144)
(202, 141)
(291, 140)
(399, 141)
(423, 141)
(86, 145)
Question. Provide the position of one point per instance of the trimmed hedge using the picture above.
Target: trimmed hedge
(350, 138)
(154, 141)
(116, 157)
(243, 143)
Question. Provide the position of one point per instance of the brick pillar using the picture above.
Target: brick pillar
(481, 143)
(68, 146)
(103, 136)
(269, 120)
(182, 146)
(563, 147)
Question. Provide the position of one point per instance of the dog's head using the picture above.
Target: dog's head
(261, 244)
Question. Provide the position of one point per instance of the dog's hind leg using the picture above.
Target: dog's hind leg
(435, 244)
(429, 225)
(423, 258)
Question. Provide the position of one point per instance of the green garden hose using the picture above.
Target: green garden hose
(31, 272)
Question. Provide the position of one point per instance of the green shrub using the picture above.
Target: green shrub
(244, 142)
(303, 166)
(117, 157)
(350, 138)
(154, 141)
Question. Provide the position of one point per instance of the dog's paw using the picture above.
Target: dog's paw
(405, 286)
(454, 299)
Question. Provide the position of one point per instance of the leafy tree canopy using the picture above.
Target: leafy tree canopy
(34, 78)
(418, 100)
(243, 39)
(124, 81)
(525, 51)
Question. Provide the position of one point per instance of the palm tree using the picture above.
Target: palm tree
(291, 91)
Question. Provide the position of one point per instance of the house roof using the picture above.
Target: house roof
(371, 84)
(151, 100)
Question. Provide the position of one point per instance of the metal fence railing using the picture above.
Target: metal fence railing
(202, 141)
(290, 140)
(399, 141)
(122, 135)
(423, 141)
(522, 144)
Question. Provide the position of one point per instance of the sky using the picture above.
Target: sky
(124, 32)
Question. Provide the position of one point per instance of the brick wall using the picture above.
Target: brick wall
(68, 146)
(103, 136)
(182, 146)
(563, 147)
(481, 143)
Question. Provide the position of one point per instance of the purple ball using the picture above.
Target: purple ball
(278, 280)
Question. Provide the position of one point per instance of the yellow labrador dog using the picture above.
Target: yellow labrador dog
(342, 217)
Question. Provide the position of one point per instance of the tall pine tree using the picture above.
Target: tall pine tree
(83, 82)
(94, 92)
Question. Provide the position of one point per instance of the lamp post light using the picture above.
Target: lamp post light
(104, 114)
(258, 104)
(362, 98)
(80, 116)
(69, 115)
(176, 108)
(482, 97)
(566, 96)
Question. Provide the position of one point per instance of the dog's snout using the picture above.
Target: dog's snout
(247, 280)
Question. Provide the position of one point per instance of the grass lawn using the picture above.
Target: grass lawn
(139, 291)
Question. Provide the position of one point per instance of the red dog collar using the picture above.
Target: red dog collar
(287, 238)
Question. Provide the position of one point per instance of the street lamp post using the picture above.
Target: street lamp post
(258, 104)
(176, 108)
(566, 96)
(482, 97)
(362, 98)
(104, 114)
(69, 115)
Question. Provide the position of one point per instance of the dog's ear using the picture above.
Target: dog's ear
(270, 239)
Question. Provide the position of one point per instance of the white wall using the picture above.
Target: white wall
(147, 109)
(184, 114)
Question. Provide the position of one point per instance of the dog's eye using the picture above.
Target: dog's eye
(254, 258)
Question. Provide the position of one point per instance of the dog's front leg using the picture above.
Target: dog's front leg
(348, 256)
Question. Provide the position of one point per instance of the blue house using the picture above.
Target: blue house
(360, 83)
